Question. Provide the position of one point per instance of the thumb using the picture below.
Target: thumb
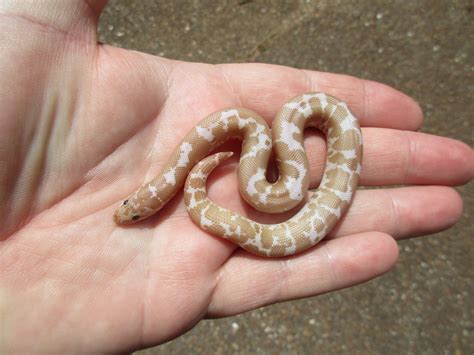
(72, 18)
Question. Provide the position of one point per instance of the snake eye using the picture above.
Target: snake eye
(135, 217)
(125, 202)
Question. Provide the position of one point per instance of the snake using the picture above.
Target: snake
(194, 159)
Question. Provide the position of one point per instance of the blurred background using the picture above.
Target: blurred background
(424, 48)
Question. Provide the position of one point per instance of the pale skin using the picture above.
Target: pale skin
(82, 125)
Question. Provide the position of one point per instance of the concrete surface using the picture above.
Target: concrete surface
(424, 48)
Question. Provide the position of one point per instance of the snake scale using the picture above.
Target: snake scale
(190, 166)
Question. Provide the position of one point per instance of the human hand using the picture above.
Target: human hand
(85, 124)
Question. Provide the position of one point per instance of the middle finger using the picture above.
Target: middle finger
(395, 157)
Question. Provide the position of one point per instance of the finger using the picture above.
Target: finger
(401, 212)
(394, 157)
(69, 20)
(247, 282)
(96, 5)
(264, 88)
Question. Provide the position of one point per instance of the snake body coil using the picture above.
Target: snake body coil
(315, 219)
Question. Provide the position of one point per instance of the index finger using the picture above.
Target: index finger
(264, 88)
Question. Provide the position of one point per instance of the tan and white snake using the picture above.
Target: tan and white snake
(190, 165)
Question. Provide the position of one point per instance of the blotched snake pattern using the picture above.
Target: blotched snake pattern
(190, 166)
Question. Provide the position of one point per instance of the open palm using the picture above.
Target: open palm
(83, 125)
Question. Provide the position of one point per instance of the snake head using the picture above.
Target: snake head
(147, 200)
(127, 213)
(136, 207)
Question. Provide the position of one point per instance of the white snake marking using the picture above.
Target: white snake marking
(315, 219)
